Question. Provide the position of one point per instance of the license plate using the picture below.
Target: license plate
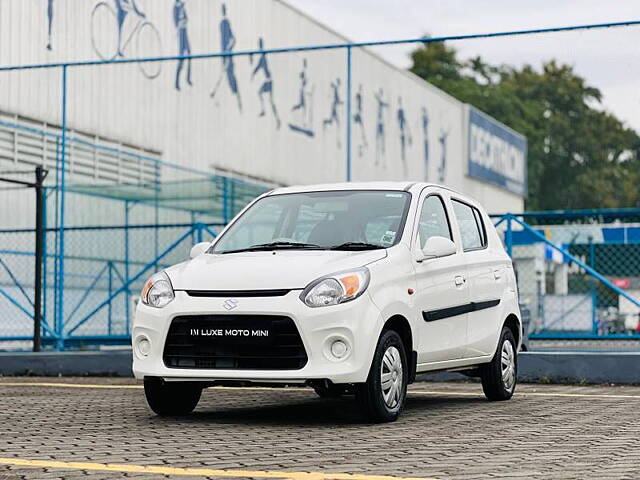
(233, 334)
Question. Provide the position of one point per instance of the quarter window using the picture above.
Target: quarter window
(471, 227)
(433, 220)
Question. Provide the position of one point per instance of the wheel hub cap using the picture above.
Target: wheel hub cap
(391, 377)
(508, 365)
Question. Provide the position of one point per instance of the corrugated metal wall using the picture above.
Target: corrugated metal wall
(281, 118)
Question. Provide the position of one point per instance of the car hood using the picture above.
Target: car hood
(279, 269)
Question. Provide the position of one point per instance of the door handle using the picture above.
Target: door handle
(459, 280)
(497, 274)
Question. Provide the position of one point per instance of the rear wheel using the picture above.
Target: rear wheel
(499, 377)
(166, 399)
(382, 397)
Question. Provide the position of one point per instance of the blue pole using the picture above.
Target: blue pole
(349, 81)
(232, 200)
(60, 332)
(110, 289)
(330, 46)
(225, 200)
(509, 237)
(44, 256)
(594, 296)
(193, 224)
(56, 242)
(126, 266)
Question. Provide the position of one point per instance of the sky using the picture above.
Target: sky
(608, 58)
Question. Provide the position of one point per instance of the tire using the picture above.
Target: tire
(330, 390)
(383, 402)
(169, 399)
(499, 377)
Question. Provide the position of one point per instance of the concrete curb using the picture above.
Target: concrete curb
(535, 367)
(116, 363)
(578, 367)
(569, 367)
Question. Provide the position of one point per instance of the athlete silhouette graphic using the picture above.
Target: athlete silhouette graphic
(359, 121)
(380, 135)
(405, 134)
(267, 85)
(334, 116)
(180, 20)
(228, 43)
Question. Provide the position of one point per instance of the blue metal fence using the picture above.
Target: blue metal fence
(569, 289)
(100, 289)
(578, 271)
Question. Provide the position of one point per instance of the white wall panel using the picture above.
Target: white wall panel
(192, 129)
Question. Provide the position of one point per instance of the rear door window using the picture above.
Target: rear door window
(470, 224)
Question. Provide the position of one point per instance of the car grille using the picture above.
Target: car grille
(281, 350)
(238, 293)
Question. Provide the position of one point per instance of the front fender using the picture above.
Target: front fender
(391, 282)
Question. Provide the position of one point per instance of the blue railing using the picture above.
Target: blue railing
(586, 284)
(91, 298)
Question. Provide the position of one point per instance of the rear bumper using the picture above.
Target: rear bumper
(357, 323)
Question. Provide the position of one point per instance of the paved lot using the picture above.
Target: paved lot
(448, 431)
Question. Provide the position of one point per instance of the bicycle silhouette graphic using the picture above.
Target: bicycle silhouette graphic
(110, 40)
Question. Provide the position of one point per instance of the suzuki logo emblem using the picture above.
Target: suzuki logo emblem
(230, 303)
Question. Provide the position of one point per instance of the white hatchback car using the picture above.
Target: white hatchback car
(348, 288)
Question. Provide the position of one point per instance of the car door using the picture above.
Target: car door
(486, 269)
(441, 287)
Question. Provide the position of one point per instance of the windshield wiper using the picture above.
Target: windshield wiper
(356, 246)
(275, 246)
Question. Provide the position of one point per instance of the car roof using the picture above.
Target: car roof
(325, 187)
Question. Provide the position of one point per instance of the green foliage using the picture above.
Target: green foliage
(580, 156)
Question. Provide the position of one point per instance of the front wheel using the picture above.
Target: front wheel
(167, 399)
(499, 377)
(383, 396)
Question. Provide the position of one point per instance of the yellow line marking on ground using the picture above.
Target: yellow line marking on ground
(67, 385)
(528, 394)
(295, 389)
(128, 387)
(180, 471)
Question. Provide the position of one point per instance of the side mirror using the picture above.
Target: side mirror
(198, 249)
(437, 247)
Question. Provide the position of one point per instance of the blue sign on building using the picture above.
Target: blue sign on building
(497, 154)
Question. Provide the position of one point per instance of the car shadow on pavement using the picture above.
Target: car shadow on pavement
(311, 411)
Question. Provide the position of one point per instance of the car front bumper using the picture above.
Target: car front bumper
(356, 323)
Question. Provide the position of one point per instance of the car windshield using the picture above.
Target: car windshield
(339, 220)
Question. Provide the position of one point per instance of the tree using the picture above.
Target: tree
(579, 155)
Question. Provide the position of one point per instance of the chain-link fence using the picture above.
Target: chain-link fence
(104, 270)
(17, 260)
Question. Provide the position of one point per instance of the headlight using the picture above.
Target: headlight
(337, 288)
(157, 292)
